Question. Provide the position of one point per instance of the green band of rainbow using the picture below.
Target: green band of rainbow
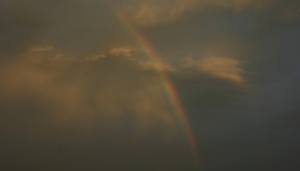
(172, 95)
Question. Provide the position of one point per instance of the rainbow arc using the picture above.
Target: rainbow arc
(171, 92)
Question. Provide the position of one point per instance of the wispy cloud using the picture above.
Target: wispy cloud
(226, 68)
(150, 13)
(121, 52)
(95, 57)
(42, 49)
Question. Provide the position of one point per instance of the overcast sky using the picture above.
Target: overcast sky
(79, 92)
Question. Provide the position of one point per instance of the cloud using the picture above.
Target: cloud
(92, 58)
(109, 107)
(121, 52)
(161, 66)
(42, 49)
(151, 13)
(222, 67)
(88, 89)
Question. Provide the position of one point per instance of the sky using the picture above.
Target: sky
(139, 85)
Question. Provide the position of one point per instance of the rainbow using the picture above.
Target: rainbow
(172, 95)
